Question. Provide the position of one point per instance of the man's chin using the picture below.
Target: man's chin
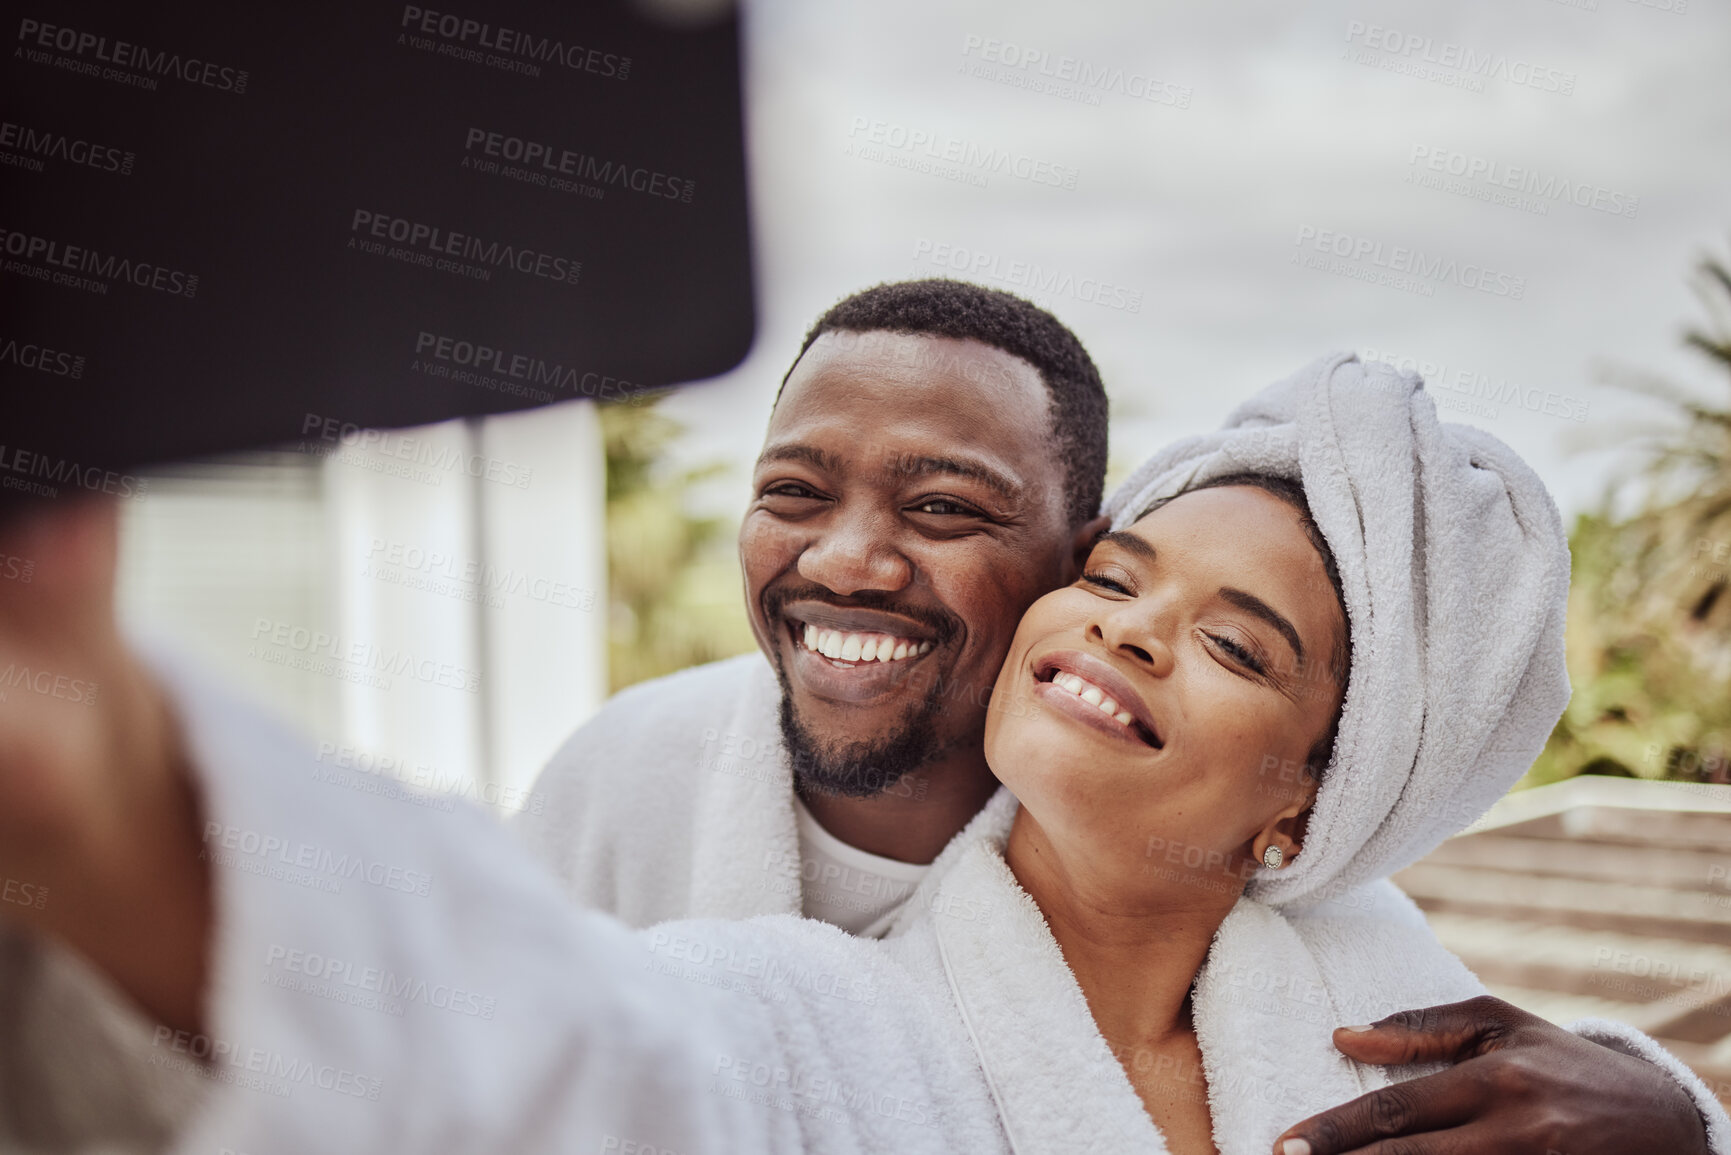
(853, 751)
(848, 722)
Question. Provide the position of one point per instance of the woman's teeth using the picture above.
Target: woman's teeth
(1092, 694)
(861, 647)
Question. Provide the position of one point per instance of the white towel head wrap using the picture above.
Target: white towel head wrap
(1455, 573)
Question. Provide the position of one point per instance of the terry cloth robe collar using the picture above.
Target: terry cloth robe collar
(1262, 1008)
(1057, 1085)
(748, 825)
(1265, 1021)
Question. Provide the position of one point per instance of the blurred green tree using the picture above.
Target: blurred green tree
(1649, 636)
(673, 578)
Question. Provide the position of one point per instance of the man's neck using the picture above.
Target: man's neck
(915, 818)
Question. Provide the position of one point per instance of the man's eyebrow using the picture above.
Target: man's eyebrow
(809, 454)
(1250, 603)
(1129, 542)
(922, 465)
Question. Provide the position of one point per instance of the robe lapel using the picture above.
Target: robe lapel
(1262, 1010)
(1057, 1085)
(745, 851)
(991, 826)
(1264, 1020)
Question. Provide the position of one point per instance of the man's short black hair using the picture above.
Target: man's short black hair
(940, 307)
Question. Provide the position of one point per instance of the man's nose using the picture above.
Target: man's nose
(856, 551)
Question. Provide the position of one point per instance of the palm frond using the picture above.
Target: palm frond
(1649, 614)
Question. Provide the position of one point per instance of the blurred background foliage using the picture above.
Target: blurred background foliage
(673, 578)
(1649, 637)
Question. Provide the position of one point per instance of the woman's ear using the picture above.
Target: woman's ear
(1082, 544)
(1276, 846)
(1285, 831)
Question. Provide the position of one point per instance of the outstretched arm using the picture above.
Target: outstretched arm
(180, 845)
(98, 817)
(1518, 1086)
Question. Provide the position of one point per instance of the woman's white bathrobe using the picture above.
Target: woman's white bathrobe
(981, 1039)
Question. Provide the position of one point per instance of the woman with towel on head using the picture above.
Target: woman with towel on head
(1274, 685)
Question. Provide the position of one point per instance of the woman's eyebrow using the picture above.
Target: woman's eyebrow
(1250, 603)
(1129, 542)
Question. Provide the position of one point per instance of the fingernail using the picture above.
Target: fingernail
(1295, 1147)
(1356, 1031)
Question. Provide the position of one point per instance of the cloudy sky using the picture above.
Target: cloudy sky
(1194, 157)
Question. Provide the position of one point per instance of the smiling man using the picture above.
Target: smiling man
(934, 463)
(892, 547)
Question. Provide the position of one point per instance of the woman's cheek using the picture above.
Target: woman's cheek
(1032, 754)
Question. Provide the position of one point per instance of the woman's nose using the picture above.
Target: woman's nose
(1134, 631)
(853, 553)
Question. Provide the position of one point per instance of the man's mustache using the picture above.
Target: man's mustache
(943, 624)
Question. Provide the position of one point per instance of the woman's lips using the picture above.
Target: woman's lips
(1090, 690)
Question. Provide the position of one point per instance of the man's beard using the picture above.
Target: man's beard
(860, 769)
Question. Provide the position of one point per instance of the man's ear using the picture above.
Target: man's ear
(1081, 544)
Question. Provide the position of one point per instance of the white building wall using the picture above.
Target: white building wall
(429, 605)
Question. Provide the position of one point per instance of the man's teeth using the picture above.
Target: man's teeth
(1092, 694)
(861, 647)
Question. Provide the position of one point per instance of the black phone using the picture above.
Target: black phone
(222, 224)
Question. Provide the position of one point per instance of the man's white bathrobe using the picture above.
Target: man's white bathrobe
(675, 801)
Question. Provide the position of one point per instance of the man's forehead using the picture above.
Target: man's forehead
(933, 411)
(916, 356)
(939, 382)
(879, 402)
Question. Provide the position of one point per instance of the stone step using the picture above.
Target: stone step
(1603, 824)
(1606, 898)
(1674, 986)
(1661, 866)
(1563, 1009)
(1653, 911)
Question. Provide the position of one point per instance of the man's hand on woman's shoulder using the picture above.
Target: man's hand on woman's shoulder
(1518, 1086)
